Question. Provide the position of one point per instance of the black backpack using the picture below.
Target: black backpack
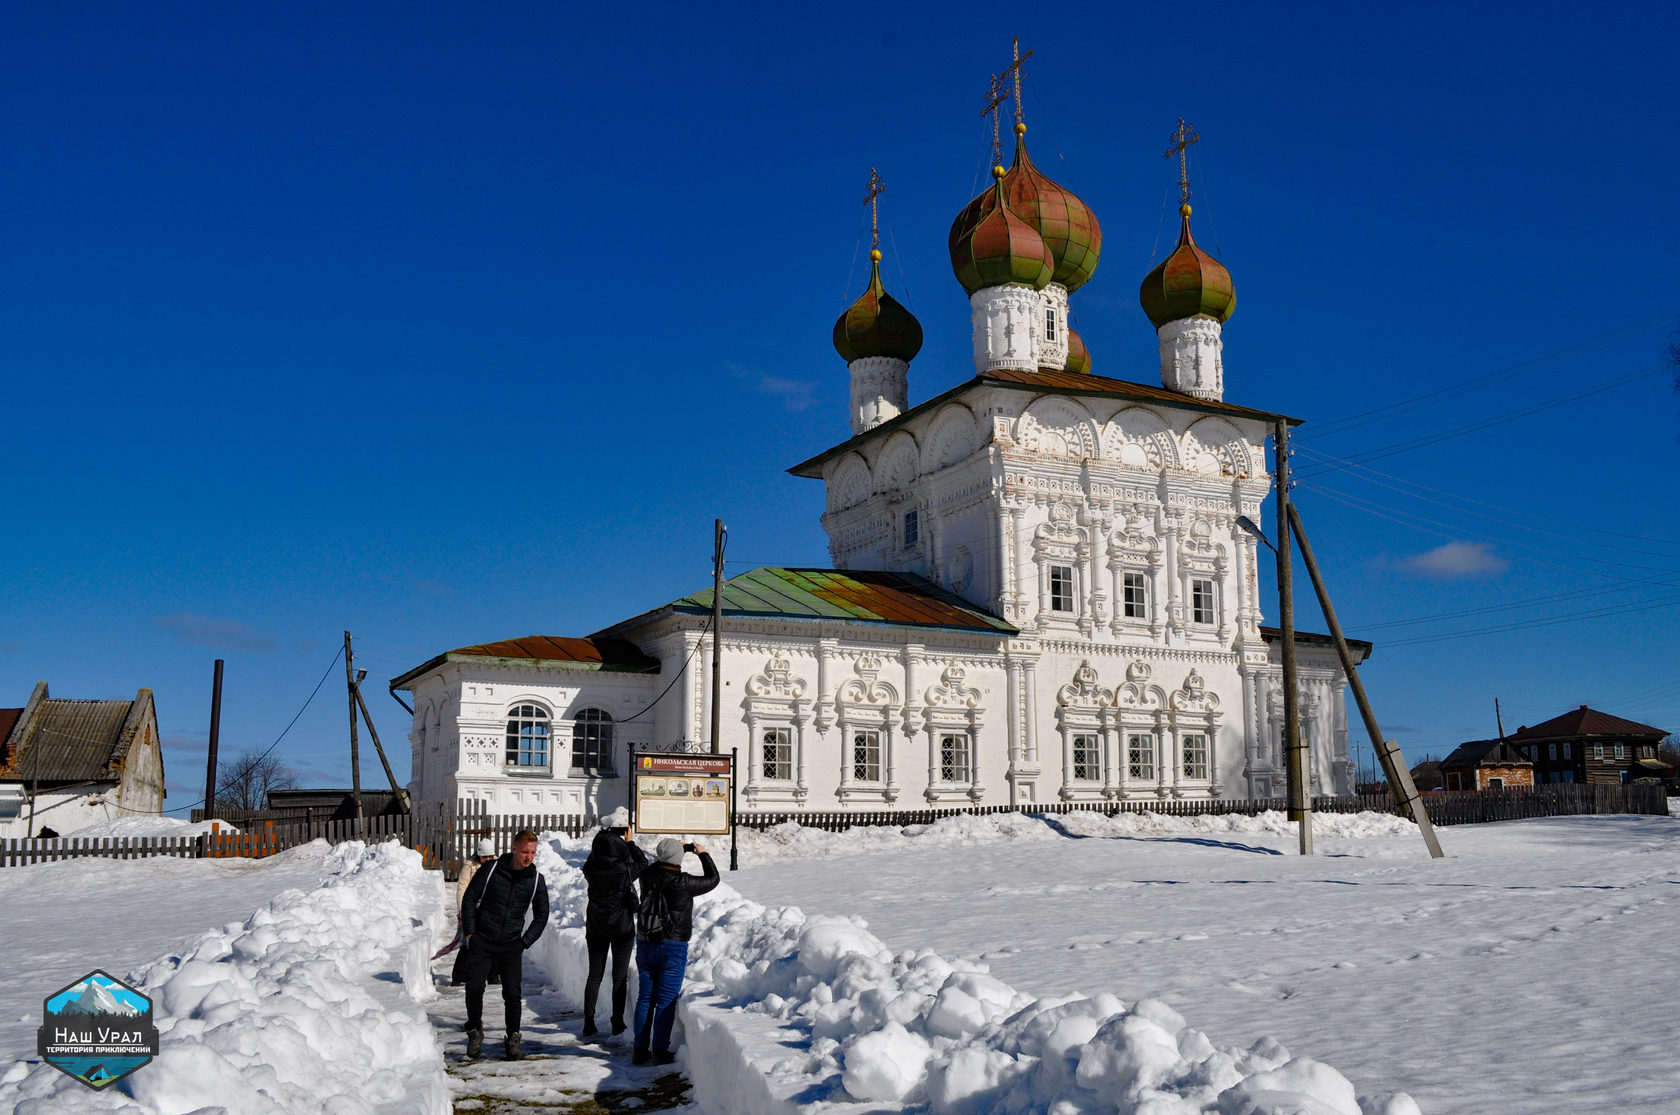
(653, 912)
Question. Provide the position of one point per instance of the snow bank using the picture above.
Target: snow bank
(793, 841)
(788, 1013)
(306, 1006)
(148, 826)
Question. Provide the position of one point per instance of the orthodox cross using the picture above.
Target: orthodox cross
(1014, 71)
(1182, 139)
(876, 187)
(996, 95)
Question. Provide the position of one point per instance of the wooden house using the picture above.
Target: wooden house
(1486, 764)
(66, 764)
(1585, 745)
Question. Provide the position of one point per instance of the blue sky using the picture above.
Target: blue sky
(444, 324)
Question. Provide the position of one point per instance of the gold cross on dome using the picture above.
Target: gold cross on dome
(871, 199)
(1014, 73)
(1182, 139)
(995, 95)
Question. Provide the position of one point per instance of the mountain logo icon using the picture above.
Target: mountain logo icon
(98, 1030)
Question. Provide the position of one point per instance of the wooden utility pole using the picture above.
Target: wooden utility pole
(215, 739)
(355, 753)
(1393, 763)
(397, 792)
(1295, 752)
(717, 633)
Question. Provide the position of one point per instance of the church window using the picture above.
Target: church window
(954, 762)
(1201, 601)
(912, 528)
(1050, 325)
(1195, 755)
(866, 756)
(1137, 596)
(778, 755)
(1061, 588)
(1087, 760)
(1140, 756)
(527, 736)
(592, 739)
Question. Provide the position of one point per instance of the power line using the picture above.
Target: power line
(680, 673)
(1550, 359)
(1472, 427)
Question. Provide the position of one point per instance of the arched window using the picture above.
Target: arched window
(527, 736)
(592, 739)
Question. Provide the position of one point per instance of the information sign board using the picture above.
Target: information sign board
(682, 793)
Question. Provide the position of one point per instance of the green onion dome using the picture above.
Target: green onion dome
(876, 324)
(1188, 283)
(1067, 225)
(1079, 357)
(990, 245)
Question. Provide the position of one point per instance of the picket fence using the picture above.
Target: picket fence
(446, 834)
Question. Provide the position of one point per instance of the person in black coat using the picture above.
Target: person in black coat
(662, 950)
(496, 936)
(610, 923)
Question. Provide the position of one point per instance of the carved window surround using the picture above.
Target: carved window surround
(867, 704)
(953, 708)
(776, 699)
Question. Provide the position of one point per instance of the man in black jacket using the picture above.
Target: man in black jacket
(662, 951)
(493, 927)
(611, 869)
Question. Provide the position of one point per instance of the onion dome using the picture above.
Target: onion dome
(1079, 357)
(1068, 226)
(876, 324)
(1188, 283)
(990, 245)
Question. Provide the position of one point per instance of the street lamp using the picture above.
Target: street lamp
(1253, 528)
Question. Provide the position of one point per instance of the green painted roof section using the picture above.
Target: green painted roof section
(858, 596)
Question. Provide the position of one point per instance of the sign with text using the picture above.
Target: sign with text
(682, 793)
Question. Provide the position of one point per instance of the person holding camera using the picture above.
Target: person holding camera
(609, 923)
(664, 924)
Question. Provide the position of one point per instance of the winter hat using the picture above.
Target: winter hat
(670, 850)
(486, 847)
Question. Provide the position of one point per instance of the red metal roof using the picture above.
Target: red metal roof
(1067, 383)
(614, 655)
(1584, 721)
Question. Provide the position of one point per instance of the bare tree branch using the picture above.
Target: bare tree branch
(244, 783)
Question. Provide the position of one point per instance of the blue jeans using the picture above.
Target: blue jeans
(659, 977)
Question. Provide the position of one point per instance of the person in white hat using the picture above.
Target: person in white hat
(486, 853)
(664, 924)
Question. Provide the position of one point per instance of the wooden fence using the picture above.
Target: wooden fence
(446, 834)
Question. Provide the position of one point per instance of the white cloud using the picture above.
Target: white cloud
(215, 633)
(1456, 561)
(796, 395)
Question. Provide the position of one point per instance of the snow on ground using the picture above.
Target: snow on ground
(788, 1012)
(1523, 973)
(149, 826)
(307, 1005)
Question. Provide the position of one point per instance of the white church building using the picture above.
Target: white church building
(1040, 591)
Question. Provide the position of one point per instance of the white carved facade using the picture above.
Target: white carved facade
(1102, 526)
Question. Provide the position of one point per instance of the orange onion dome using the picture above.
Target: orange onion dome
(876, 324)
(1066, 223)
(1188, 283)
(1078, 357)
(991, 245)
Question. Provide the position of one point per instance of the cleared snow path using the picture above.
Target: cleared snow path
(1522, 974)
(559, 1073)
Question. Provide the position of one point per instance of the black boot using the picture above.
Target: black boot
(589, 1029)
(638, 1056)
(475, 1044)
(618, 1026)
(514, 1048)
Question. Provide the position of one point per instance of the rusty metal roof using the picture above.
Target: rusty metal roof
(75, 741)
(1063, 383)
(1585, 723)
(1484, 752)
(550, 652)
(860, 596)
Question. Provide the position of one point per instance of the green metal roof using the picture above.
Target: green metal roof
(859, 596)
